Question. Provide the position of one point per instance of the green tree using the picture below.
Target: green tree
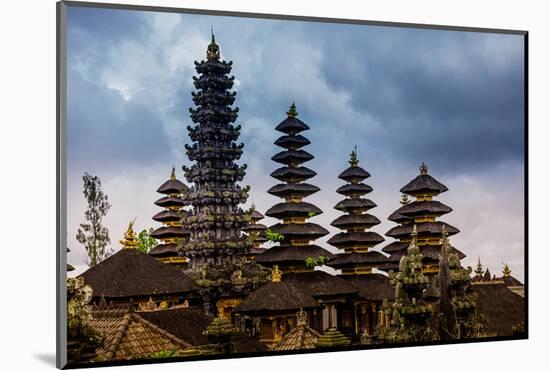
(92, 234)
(146, 241)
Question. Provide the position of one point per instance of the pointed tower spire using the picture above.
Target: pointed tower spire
(479, 269)
(506, 271)
(213, 50)
(292, 112)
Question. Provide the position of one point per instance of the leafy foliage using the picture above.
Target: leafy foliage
(273, 237)
(319, 261)
(146, 241)
(92, 234)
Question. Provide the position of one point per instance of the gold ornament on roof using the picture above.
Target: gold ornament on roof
(292, 112)
(130, 237)
(276, 274)
(301, 317)
(173, 175)
(423, 169)
(353, 161)
(213, 51)
(506, 271)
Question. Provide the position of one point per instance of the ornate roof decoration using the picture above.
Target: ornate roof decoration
(213, 50)
(130, 237)
(301, 337)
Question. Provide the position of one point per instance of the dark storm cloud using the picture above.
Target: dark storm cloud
(106, 25)
(109, 132)
(453, 98)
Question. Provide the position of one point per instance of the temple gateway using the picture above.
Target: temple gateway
(220, 281)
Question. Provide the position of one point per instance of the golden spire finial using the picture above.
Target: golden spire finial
(292, 112)
(213, 51)
(404, 199)
(173, 175)
(353, 161)
(130, 237)
(423, 169)
(479, 268)
(506, 271)
(276, 274)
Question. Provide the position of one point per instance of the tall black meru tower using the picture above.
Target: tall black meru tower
(216, 244)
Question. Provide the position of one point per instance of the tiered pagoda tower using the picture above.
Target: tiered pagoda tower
(294, 233)
(355, 240)
(358, 260)
(256, 233)
(423, 212)
(172, 232)
(216, 220)
(270, 311)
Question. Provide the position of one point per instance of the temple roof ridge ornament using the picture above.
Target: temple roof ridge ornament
(423, 169)
(213, 51)
(506, 271)
(353, 161)
(130, 237)
(292, 112)
(173, 174)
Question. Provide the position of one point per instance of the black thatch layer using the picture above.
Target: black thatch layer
(291, 209)
(131, 273)
(189, 324)
(291, 126)
(164, 250)
(372, 287)
(295, 291)
(169, 202)
(397, 217)
(355, 204)
(360, 220)
(286, 174)
(256, 216)
(292, 157)
(284, 190)
(173, 187)
(167, 216)
(169, 232)
(306, 230)
(253, 227)
(424, 228)
(395, 246)
(292, 142)
(344, 260)
(345, 239)
(354, 173)
(426, 207)
(291, 255)
(354, 189)
(424, 184)
(501, 308)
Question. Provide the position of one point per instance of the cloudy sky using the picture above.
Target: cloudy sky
(451, 99)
